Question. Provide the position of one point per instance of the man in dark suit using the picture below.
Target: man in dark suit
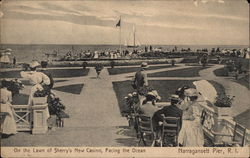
(169, 111)
(140, 82)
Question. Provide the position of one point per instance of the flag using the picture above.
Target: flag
(118, 24)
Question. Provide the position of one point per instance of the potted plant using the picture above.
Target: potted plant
(40, 96)
(56, 108)
(223, 104)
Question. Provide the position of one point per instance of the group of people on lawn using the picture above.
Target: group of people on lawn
(184, 106)
(39, 80)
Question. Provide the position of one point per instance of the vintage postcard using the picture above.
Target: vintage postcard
(124, 78)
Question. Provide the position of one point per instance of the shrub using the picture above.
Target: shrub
(223, 100)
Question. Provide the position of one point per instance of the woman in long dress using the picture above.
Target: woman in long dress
(191, 134)
(8, 127)
(38, 80)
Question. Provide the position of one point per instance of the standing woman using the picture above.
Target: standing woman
(9, 124)
(38, 80)
(191, 134)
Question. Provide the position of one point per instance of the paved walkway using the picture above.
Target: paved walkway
(241, 101)
(95, 118)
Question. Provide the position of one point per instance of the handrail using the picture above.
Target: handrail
(213, 121)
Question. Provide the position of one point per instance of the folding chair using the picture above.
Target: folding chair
(170, 129)
(145, 129)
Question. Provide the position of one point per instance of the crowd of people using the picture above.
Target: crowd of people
(151, 52)
(183, 105)
(109, 54)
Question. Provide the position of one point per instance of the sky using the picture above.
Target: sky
(168, 22)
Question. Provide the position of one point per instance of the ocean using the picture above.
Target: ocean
(27, 53)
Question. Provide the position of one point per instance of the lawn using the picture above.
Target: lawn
(20, 99)
(164, 88)
(116, 71)
(244, 81)
(64, 73)
(218, 87)
(221, 72)
(10, 74)
(186, 72)
(243, 118)
(56, 73)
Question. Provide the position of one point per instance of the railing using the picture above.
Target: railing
(219, 128)
(23, 117)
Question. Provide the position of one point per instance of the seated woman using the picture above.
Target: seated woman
(8, 127)
(191, 134)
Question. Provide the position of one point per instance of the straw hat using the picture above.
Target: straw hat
(34, 64)
(144, 65)
(174, 97)
(8, 50)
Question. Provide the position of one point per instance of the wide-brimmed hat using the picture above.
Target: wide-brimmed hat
(34, 64)
(174, 97)
(8, 50)
(191, 92)
(144, 65)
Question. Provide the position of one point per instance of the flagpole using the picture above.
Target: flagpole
(120, 32)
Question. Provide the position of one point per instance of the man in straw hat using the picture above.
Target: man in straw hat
(167, 111)
(140, 82)
(172, 110)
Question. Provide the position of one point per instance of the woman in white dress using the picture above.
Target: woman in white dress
(191, 134)
(8, 127)
(37, 79)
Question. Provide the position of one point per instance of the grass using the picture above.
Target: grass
(64, 73)
(187, 72)
(56, 73)
(10, 74)
(164, 88)
(244, 81)
(74, 89)
(218, 87)
(20, 99)
(221, 72)
(243, 118)
(116, 71)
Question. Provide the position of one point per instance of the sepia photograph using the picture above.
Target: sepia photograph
(131, 78)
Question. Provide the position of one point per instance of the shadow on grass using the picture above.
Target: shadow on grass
(20, 99)
(116, 71)
(74, 89)
(186, 72)
(56, 81)
(164, 88)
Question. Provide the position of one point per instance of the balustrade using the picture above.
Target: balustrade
(218, 128)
